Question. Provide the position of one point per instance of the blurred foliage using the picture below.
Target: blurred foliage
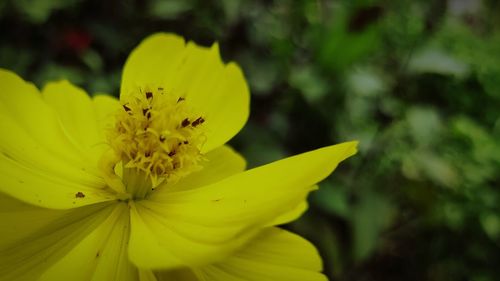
(417, 82)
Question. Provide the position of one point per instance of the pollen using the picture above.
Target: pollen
(158, 134)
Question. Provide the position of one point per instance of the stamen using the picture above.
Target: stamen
(198, 121)
(185, 122)
(154, 137)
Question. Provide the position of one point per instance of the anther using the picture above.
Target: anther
(185, 122)
(198, 121)
(166, 147)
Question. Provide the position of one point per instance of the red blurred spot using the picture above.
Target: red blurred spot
(77, 40)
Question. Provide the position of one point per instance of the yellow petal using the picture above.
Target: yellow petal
(152, 61)
(39, 163)
(217, 90)
(105, 107)
(102, 255)
(274, 255)
(177, 275)
(33, 238)
(202, 225)
(38, 187)
(220, 163)
(148, 275)
(293, 213)
(23, 106)
(158, 242)
(34, 218)
(78, 116)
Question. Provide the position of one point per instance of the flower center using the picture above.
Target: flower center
(157, 137)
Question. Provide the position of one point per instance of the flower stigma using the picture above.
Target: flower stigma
(157, 138)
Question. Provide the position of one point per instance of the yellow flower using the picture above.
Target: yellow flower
(145, 188)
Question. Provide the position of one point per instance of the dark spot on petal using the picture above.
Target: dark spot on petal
(162, 138)
(186, 142)
(180, 99)
(171, 153)
(127, 109)
(79, 194)
(149, 95)
(97, 254)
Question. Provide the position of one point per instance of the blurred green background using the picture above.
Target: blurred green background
(417, 82)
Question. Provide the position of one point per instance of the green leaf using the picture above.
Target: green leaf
(93, 60)
(370, 217)
(54, 72)
(310, 84)
(491, 225)
(332, 199)
(38, 11)
(435, 60)
(424, 125)
(422, 164)
(262, 74)
(339, 48)
(169, 9)
(366, 82)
